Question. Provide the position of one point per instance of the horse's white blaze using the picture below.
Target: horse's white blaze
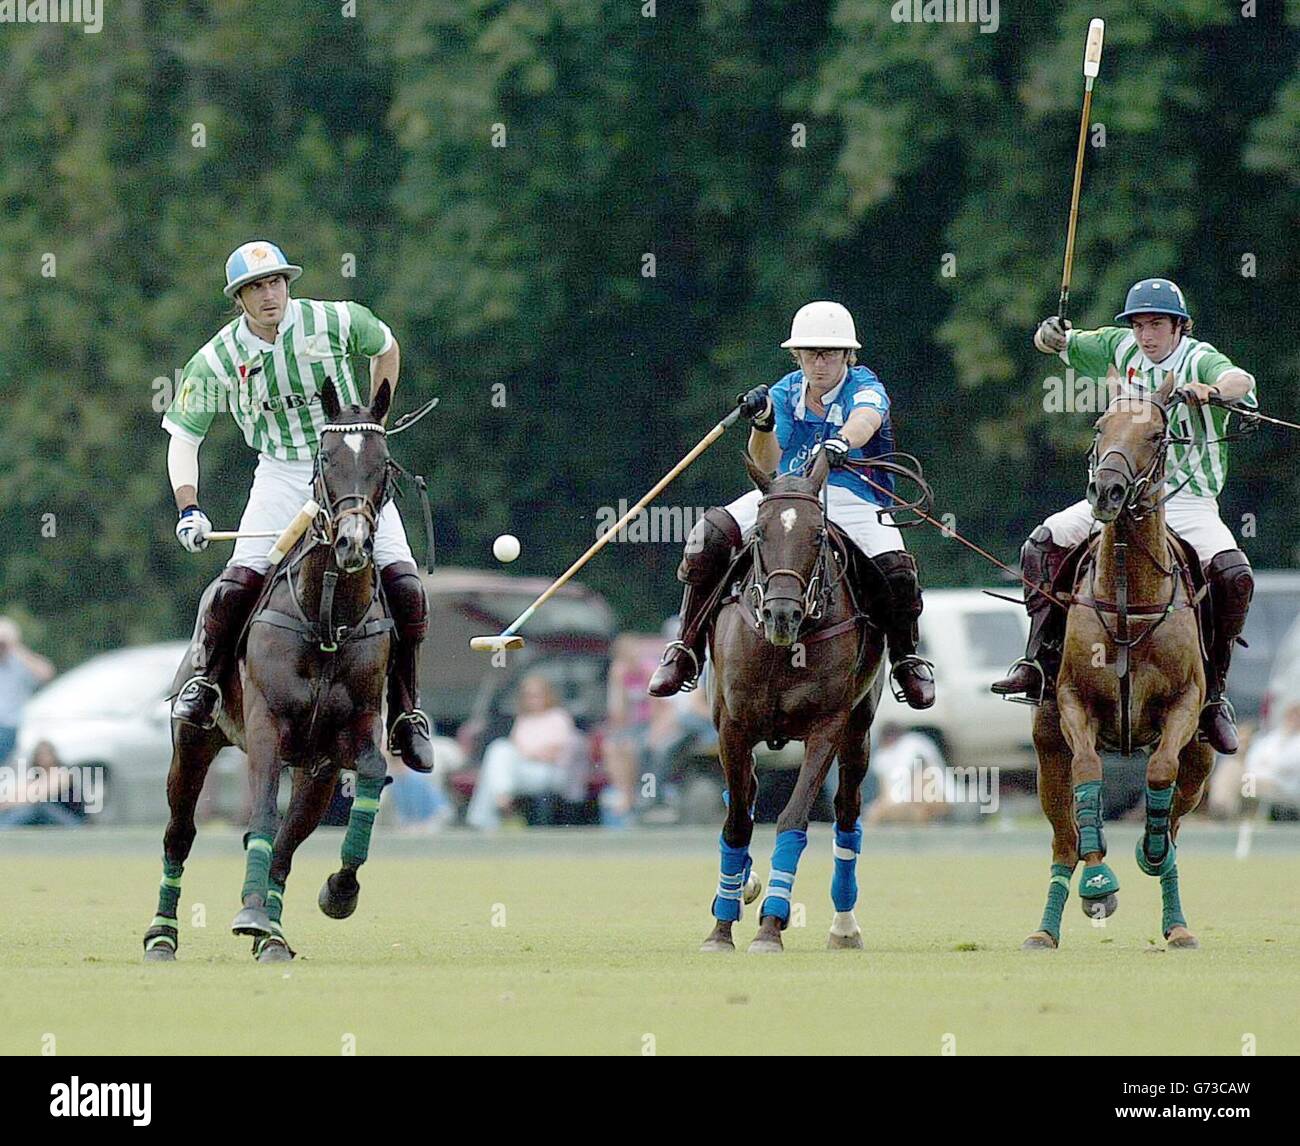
(353, 442)
(844, 924)
(788, 517)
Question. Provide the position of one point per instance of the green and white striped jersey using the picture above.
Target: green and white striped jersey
(1114, 351)
(272, 389)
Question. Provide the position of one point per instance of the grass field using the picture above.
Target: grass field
(598, 951)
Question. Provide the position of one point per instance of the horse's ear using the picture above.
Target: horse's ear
(1166, 391)
(756, 475)
(820, 468)
(379, 405)
(329, 400)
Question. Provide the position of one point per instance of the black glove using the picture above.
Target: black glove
(837, 450)
(756, 406)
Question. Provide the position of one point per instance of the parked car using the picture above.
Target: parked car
(1273, 656)
(111, 712)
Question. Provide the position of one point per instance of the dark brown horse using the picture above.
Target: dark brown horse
(1132, 675)
(793, 659)
(308, 697)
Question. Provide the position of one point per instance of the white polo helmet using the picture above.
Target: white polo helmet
(822, 326)
(256, 260)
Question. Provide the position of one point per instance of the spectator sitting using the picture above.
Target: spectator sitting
(630, 715)
(40, 805)
(910, 770)
(21, 672)
(1273, 761)
(531, 761)
(418, 801)
(681, 722)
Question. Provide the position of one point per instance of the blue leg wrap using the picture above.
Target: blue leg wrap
(732, 878)
(1087, 810)
(785, 862)
(844, 882)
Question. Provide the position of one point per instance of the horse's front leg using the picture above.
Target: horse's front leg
(1098, 884)
(1194, 764)
(311, 796)
(339, 893)
(737, 883)
(792, 833)
(853, 755)
(264, 768)
(1056, 794)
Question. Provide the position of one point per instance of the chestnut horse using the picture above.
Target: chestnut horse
(1132, 675)
(793, 658)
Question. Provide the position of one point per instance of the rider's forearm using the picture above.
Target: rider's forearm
(765, 450)
(183, 470)
(861, 427)
(1234, 384)
(383, 366)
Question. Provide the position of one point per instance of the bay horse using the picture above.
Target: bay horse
(1132, 674)
(305, 693)
(793, 658)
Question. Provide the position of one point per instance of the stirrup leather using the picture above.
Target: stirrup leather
(416, 716)
(911, 659)
(200, 682)
(1029, 698)
(693, 683)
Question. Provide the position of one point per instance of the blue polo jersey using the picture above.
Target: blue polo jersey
(799, 431)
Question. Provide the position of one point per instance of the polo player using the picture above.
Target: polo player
(833, 405)
(268, 367)
(1155, 342)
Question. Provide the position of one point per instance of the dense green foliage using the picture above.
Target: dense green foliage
(515, 278)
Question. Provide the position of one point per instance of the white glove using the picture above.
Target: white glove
(1051, 336)
(193, 528)
(836, 450)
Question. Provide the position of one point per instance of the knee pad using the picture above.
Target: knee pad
(1232, 582)
(709, 547)
(406, 600)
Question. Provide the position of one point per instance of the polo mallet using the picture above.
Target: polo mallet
(1091, 69)
(509, 637)
(286, 536)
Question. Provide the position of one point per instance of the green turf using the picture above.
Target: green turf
(599, 953)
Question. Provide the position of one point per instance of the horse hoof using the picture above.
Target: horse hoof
(251, 921)
(1039, 941)
(753, 888)
(844, 942)
(1180, 939)
(763, 945)
(338, 895)
(160, 953)
(274, 951)
(713, 945)
(1100, 908)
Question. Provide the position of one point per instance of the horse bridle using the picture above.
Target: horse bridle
(365, 507)
(813, 588)
(1138, 482)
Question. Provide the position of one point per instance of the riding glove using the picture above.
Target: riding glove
(1052, 335)
(193, 528)
(757, 407)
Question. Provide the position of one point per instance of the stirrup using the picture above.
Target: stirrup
(693, 683)
(1029, 698)
(211, 686)
(416, 716)
(903, 662)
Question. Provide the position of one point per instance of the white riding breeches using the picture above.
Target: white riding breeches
(1195, 519)
(854, 515)
(279, 491)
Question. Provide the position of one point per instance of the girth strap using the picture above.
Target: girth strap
(313, 632)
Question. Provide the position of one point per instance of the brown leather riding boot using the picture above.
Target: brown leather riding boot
(233, 597)
(898, 615)
(410, 734)
(707, 558)
(1232, 584)
(1035, 674)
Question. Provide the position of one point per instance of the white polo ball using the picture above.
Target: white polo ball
(506, 547)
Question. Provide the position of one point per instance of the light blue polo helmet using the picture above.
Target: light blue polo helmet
(256, 260)
(1154, 296)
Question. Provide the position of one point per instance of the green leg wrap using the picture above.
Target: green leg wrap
(1155, 850)
(169, 893)
(1087, 811)
(1058, 891)
(1171, 905)
(275, 901)
(361, 821)
(257, 868)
